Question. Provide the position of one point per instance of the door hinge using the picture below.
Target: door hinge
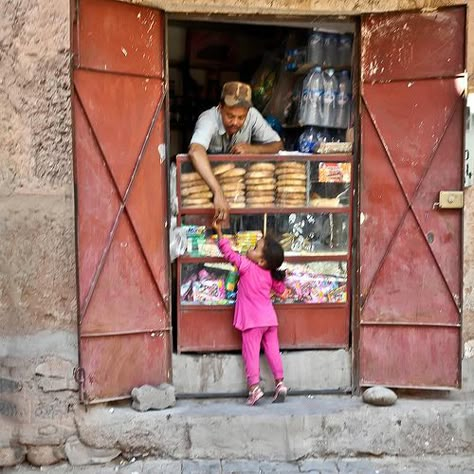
(80, 377)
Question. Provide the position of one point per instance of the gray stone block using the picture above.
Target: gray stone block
(51, 384)
(78, 454)
(12, 456)
(379, 396)
(161, 467)
(322, 466)
(148, 397)
(55, 367)
(241, 466)
(45, 455)
(201, 467)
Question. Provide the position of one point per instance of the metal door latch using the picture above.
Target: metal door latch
(450, 200)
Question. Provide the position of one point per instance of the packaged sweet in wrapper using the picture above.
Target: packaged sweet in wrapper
(208, 291)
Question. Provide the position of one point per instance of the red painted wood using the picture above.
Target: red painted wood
(413, 45)
(125, 38)
(428, 356)
(410, 252)
(121, 194)
(301, 327)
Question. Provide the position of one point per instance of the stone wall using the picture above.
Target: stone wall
(38, 336)
(38, 342)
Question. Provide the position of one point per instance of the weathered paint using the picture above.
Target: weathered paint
(412, 148)
(121, 191)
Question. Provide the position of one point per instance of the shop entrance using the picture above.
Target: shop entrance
(302, 84)
(121, 158)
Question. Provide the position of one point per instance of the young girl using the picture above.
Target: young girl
(254, 314)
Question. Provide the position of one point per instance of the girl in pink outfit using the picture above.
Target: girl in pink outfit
(254, 314)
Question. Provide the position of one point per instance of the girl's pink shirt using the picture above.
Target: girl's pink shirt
(253, 307)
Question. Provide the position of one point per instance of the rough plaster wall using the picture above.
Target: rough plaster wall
(37, 270)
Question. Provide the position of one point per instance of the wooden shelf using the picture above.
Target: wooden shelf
(289, 259)
(186, 211)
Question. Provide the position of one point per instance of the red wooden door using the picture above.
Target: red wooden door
(411, 148)
(120, 172)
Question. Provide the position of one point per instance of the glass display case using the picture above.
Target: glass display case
(304, 202)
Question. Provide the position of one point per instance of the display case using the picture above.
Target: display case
(304, 202)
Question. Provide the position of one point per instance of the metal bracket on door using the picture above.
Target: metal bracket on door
(450, 200)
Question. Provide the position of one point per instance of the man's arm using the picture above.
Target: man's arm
(263, 148)
(198, 155)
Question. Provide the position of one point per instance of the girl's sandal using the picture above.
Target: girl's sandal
(280, 393)
(254, 396)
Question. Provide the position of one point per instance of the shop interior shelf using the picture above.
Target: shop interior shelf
(269, 210)
(322, 257)
(287, 156)
(294, 306)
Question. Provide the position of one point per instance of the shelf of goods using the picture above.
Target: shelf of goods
(304, 202)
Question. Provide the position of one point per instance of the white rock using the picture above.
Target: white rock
(45, 455)
(380, 396)
(78, 454)
(12, 456)
(148, 397)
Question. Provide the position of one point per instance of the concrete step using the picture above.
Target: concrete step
(303, 427)
(386, 465)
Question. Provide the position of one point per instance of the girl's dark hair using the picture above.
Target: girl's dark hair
(274, 256)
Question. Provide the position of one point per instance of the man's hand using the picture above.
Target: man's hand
(221, 207)
(242, 149)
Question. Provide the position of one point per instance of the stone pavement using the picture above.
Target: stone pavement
(385, 465)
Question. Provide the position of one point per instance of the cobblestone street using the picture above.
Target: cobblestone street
(384, 465)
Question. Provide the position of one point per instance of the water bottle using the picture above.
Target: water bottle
(309, 140)
(344, 50)
(343, 102)
(330, 85)
(330, 49)
(311, 105)
(316, 48)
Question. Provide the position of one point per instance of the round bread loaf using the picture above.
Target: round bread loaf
(291, 182)
(232, 186)
(300, 176)
(258, 181)
(258, 174)
(205, 205)
(261, 200)
(261, 187)
(201, 195)
(230, 179)
(236, 199)
(259, 204)
(190, 177)
(257, 194)
(237, 205)
(194, 189)
(261, 167)
(223, 168)
(187, 202)
(233, 172)
(291, 189)
(291, 196)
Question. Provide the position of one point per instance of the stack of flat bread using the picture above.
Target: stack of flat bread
(290, 184)
(194, 191)
(260, 185)
(231, 179)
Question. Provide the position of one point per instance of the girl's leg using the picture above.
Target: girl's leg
(271, 347)
(251, 341)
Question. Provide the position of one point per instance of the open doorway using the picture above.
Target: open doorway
(290, 67)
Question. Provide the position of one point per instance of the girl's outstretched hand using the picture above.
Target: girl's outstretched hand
(285, 294)
(217, 226)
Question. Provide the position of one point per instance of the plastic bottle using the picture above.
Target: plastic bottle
(330, 85)
(309, 140)
(330, 49)
(344, 50)
(311, 105)
(316, 48)
(343, 101)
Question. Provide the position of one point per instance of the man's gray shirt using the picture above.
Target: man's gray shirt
(210, 132)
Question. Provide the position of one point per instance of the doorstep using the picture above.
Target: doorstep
(303, 427)
(305, 371)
